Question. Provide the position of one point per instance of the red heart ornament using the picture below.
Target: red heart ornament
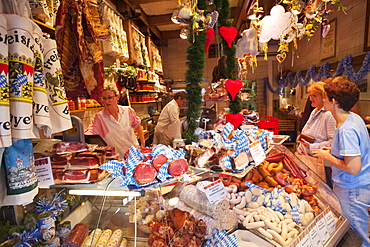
(234, 119)
(233, 87)
(210, 33)
(229, 34)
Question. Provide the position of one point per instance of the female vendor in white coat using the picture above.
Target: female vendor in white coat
(116, 123)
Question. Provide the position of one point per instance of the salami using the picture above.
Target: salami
(77, 236)
(159, 161)
(178, 167)
(144, 173)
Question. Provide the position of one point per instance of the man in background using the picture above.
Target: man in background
(169, 115)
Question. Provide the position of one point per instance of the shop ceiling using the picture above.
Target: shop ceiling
(155, 15)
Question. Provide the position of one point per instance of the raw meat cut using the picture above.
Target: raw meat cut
(178, 167)
(144, 173)
(159, 161)
(83, 163)
(76, 175)
(96, 155)
(70, 147)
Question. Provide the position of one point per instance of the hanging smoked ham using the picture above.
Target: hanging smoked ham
(78, 32)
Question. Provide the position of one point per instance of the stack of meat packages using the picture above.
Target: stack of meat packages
(73, 163)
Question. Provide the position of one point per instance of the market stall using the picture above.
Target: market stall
(233, 184)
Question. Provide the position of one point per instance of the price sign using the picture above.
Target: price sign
(215, 191)
(322, 228)
(44, 172)
(257, 152)
(314, 235)
(330, 221)
(306, 241)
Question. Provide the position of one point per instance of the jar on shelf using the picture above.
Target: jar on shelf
(71, 104)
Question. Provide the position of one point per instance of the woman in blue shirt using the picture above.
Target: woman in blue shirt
(349, 155)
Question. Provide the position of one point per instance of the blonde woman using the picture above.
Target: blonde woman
(320, 126)
(116, 123)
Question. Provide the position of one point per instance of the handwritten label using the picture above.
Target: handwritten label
(330, 222)
(322, 228)
(215, 191)
(305, 242)
(44, 172)
(315, 236)
(257, 152)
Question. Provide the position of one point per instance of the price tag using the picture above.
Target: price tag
(305, 242)
(322, 228)
(215, 191)
(257, 152)
(330, 222)
(44, 172)
(314, 235)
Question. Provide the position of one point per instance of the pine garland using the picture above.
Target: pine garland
(193, 77)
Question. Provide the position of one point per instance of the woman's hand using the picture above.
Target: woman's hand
(304, 143)
(322, 153)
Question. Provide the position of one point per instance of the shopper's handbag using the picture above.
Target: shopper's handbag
(315, 164)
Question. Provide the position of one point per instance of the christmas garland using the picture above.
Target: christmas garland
(344, 65)
(193, 77)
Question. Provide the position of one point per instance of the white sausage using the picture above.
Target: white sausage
(237, 200)
(288, 242)
(277, 219)
(234, 188)
(272, 218)
(248, 217)
(267, 217)
(284, 230)
(229, 189)
(302, 208)
(276, 236)
(272, 226)
(254, 225)
(309, 216)
(307, 206)
(303, 220)
(260, 200)
(256, 191)
(241, 193)
(242, 203)
(288, 216)
(253, 205)
(264, 233)
(248, 195)
(292, 224)
(241, 217)
(240, 212)
(287, 221)
(280, 215)
(293, 233)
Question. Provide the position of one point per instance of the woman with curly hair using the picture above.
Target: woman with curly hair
(350, 156)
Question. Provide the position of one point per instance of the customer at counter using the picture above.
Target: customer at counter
(350, 156)
(169, 115)
(320, 127)
(116, 123)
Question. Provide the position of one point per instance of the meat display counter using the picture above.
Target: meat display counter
(108, 207)
(329, 224)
